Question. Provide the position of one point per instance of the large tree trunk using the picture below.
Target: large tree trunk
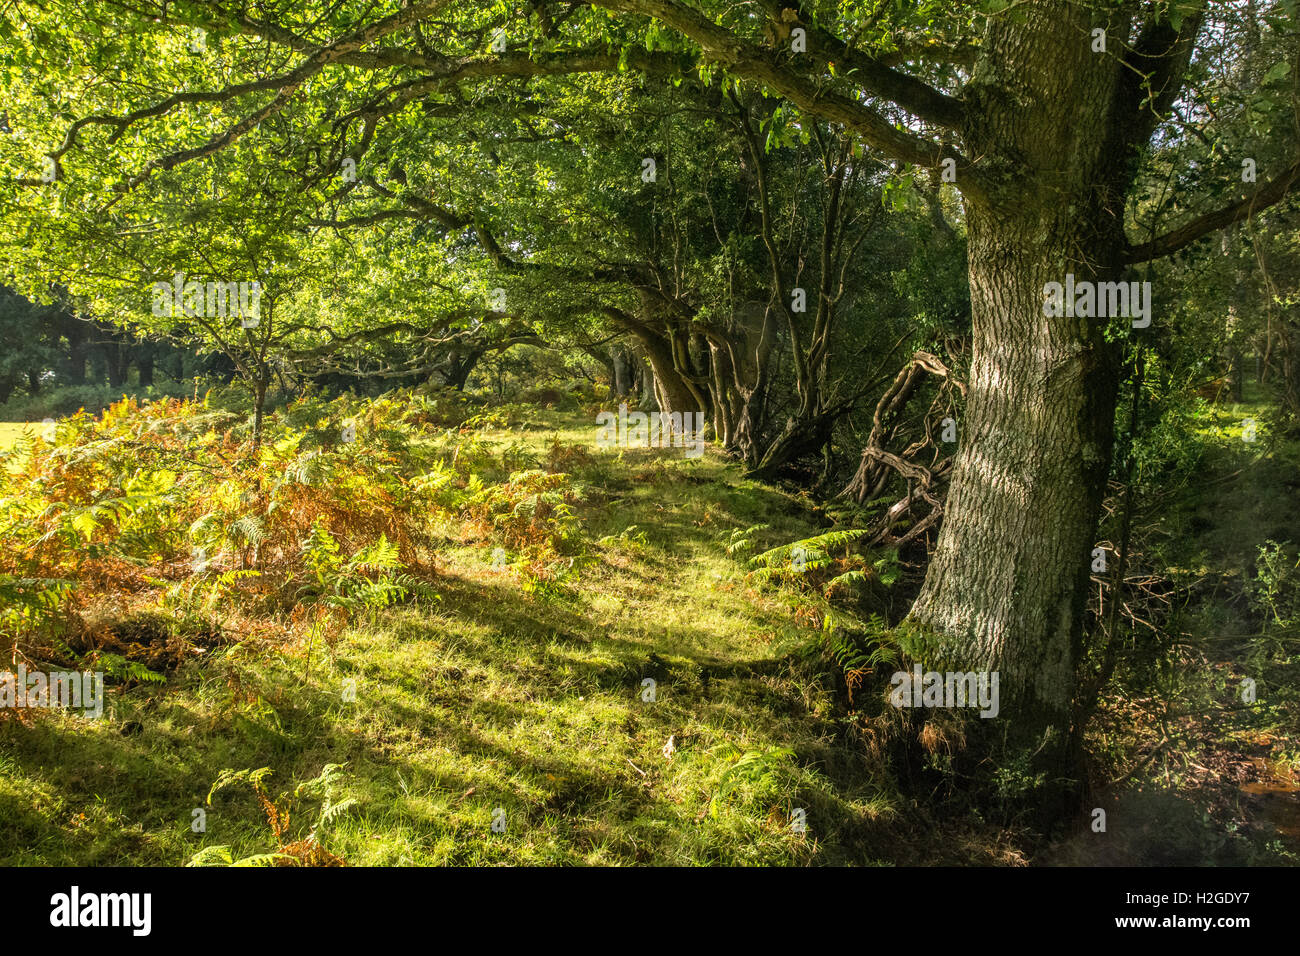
(1006, 587)
(459, 367)
(671, 390)
(672, 394)
(1007, 583)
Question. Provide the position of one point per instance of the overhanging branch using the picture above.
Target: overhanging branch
(1267, 195)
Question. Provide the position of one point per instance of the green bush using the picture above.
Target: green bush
(68, 400)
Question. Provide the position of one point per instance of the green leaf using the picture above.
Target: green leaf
(85, 524)
(1278, 71)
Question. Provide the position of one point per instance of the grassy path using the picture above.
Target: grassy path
(493, 704)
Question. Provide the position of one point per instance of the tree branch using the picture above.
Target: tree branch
(749, 61)
(1267, 195)
(911, 94)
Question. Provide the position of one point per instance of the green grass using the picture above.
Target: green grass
(496, 699)
(530, 702)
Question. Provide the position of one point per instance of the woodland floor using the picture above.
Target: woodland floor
(533, 704)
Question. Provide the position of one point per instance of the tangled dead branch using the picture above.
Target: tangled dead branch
(926, 483)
